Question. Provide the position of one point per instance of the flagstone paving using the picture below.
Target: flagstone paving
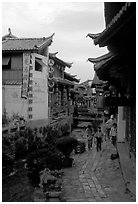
(95, 177)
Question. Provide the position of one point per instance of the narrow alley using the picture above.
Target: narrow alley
(68, 101)
(94, 176)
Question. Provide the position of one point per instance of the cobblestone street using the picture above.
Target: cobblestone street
(95, 177)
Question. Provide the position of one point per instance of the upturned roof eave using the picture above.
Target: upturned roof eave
(100, 38)
(108, 31)
(101, 58)
(65, 64)
(72, 77)
(105, 63)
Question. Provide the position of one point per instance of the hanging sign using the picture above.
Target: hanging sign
(25, 79)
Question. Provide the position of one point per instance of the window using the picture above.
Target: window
(30, 109)
(13, 62)
(30, 116)
(6, 63)
(12, 66)
(38, 65)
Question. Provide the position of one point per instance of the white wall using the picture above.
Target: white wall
(12, 101)
(14, 104)
(121, 125)
(40, 90)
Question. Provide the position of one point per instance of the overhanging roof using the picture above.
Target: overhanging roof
(120, 19)
(63, 81)
(70, 77)
(101, 61)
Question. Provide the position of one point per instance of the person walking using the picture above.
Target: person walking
(109, 125)
(99, 136)
(90, 134)
(113, 134)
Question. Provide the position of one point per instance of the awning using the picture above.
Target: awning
(5, 60)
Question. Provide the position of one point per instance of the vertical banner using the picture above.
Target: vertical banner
(25, 80)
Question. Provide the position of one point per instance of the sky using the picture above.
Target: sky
(70, 21)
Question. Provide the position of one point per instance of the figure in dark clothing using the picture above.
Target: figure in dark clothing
(98, 136)
(75, 114)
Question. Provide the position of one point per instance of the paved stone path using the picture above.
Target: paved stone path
(95, 177)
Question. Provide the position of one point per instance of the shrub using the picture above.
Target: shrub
(41, 159)
(20, 147)
(66, 145)
(8, 151)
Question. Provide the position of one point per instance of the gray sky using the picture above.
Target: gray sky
(70, 21)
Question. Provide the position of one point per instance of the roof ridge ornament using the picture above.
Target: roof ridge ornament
(9, 30)
(51, 36)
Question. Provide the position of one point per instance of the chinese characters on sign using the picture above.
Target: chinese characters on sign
(26, 63)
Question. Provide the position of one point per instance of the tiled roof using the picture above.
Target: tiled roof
(102, 60)
(63, 81)
(99, 59)
(53, 56)
(102, 63)
(20, 44)
(71, 77)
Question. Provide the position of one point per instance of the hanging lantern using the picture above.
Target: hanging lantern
(51, 83)
(51, 90)
(51, 70)
(51, 62)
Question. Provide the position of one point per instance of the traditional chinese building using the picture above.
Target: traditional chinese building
(98, 96)
(118, 67)
(24, 77)
(60, 86)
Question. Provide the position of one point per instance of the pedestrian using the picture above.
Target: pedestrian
(93, 132)
(75, 113)
(90, 134)
(109, 124)
(98, 136)
(113, 134)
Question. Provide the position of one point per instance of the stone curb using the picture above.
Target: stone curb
(127, 170)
